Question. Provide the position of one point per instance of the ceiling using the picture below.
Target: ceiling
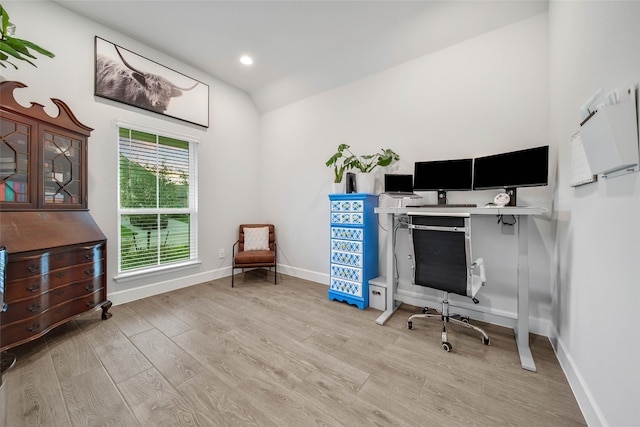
(302, 47)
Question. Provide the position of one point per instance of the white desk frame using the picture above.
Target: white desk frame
(521, 328)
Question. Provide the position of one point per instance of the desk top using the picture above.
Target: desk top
(492, 210)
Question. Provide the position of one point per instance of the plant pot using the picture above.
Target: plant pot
(366, 183)
(338, 187)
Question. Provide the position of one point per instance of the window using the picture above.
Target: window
(157, 204)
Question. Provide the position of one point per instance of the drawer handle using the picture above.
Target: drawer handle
(91, 304)
(88, 256)
(59, 275)
(59, 257)
(60, 310)
(88, 288)
(33, 268)
(60, 292)
(34, 288)
(34, 327)
(34, 308)
(90, 271)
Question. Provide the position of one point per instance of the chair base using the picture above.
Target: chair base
(275, 274)
(446, 319)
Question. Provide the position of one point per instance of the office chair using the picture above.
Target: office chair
(441, 256)
(255, 247)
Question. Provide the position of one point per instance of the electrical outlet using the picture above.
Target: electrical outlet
(221, 253)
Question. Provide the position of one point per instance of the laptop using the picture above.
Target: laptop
(399, 185)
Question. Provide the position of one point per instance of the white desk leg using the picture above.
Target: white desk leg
(389, 274)
(522, 323)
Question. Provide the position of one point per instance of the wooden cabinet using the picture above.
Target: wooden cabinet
(354, 247)
(56, 267)
(42, 159)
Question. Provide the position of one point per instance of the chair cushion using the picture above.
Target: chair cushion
(256, 238)
(255, 257)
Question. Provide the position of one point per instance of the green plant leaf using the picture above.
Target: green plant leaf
(5, 47)
(5, 19)
(19, 46)
(12, 52)
(37, 48)
(333, 159)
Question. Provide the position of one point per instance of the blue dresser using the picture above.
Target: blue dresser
(354, 247)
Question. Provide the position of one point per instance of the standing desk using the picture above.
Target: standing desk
(521, 328)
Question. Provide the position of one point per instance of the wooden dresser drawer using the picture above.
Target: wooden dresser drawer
(31, 286)
(36, 264)
(24, 330)
(21, 309)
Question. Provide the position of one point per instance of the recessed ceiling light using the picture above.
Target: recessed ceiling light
(246, 60)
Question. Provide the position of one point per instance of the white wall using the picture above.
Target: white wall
(596, 293)
(228, 161)
(483, 96)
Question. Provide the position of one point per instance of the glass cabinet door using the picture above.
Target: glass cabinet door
(16, 159)
(62, 161)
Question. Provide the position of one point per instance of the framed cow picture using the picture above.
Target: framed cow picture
(124, 76)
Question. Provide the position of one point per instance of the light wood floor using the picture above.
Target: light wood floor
(281, 355)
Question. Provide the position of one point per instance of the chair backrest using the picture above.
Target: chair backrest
(272, 234)
(441, 249)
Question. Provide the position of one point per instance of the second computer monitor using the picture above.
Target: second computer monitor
(443, 176)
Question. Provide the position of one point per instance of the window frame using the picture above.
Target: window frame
(191, 210)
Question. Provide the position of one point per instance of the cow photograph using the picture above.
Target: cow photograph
(126, 77)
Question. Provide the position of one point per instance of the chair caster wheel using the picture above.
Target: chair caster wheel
(486, 341)
(465, 319)
(425, 310)
(409, 325)
(446, 346)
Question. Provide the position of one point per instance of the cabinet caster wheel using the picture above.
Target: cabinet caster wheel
(486, 341)
(446, 346)
(409, 325)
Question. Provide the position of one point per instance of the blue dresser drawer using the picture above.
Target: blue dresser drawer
(346, 246)
(346, 287)
(346, 258)
(347, 233)
(347, 218)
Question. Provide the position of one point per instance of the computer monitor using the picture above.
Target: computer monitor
(522, 168)
(443, 176)
(398, 183)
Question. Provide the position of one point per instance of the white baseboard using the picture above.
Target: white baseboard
(588, 405)
(301, 273)
(128, 295)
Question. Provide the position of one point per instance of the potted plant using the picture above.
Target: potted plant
(340, 166)
(364, 163)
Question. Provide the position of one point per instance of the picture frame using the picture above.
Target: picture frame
(126, 77)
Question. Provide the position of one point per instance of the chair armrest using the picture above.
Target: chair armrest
(233, 249)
